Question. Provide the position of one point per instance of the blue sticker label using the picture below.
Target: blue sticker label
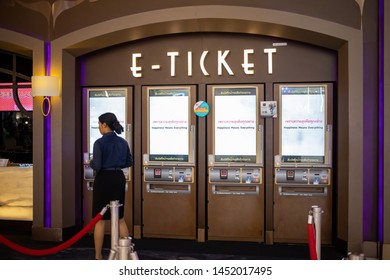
(201, 108)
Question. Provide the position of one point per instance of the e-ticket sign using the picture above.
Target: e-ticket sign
(235, 124)
(303, 124)
(102, 101)
(169, 124)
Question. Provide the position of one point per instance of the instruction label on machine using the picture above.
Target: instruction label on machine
(268, 109)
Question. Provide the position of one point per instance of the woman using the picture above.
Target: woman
(111, 153)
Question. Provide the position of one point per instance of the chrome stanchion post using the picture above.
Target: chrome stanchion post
(124, 248)
(317, 212)
(114, 208)
(133, 254)
(121, 248)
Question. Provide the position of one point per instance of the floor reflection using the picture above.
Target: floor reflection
(16, 194)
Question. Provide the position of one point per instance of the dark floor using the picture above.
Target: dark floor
(167, 249)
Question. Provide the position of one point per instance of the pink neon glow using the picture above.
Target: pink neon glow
(7, 102)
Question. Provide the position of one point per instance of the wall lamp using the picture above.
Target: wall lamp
(45, 86)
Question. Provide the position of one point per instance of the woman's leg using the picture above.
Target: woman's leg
(123, 229)
(98, 236)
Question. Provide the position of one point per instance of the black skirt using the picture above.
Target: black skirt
(109, 186)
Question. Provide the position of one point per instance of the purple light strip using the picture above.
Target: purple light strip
(47, 150)
(381, 120)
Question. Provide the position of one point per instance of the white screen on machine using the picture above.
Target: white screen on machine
(103, 101)
(302, 124)
(169, 124)
(235, 122)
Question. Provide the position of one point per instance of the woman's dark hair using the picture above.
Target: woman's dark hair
(112, 122)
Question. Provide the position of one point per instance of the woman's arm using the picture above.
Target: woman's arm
(96, 161)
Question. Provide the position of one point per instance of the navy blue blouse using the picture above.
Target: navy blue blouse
(111, 151)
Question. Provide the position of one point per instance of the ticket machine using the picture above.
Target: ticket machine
(96, 102)
(235, 163)
(303, 160)
(169, 187)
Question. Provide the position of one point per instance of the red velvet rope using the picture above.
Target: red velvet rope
(312, 241)
(50, 251)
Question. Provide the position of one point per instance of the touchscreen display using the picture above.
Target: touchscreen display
(235, 122)
(103, 101)
(169, 124)
(303, 123)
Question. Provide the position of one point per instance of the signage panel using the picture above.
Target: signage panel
(235, 124)
(303, 123)
(169, 124)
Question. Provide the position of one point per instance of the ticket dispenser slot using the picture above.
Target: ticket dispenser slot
(235, 190)
(168, 189)
(307, 191)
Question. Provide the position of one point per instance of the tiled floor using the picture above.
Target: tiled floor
(167, 249)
